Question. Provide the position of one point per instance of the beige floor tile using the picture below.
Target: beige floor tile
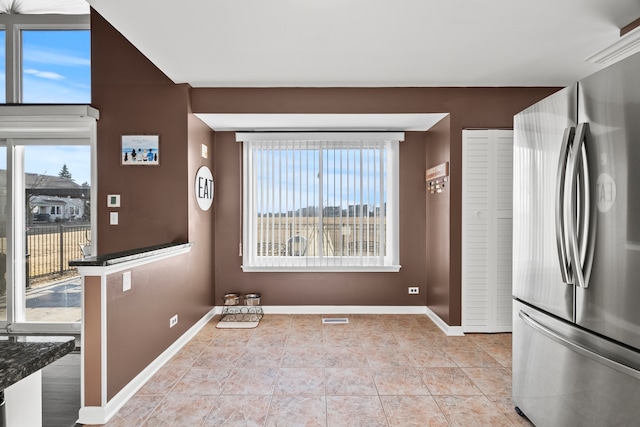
(255, 357)
(344, 357)
(407, 338)
(291, 370)
(203, 381)
(219, 356)
(502, 354)
(429, 357)
(302, 357)
(279, 322)
(448, 381)
(427, 340)
(458, 341)
(269, 340)
(413, 411)
(507, 407)
(349, 382)
(369, 322)
(375, 338)
(386, 357)
(180, 411)
(307, 411)
(232, 337)
(305, 321)
(186, 356)
(355, 411)
(235, 411)
(135, 411)
(163, 381)
(301, 338)
(472, 357)
(399, 381)
(197, 345)
(209, 331)
(300, 382)
(253, 381)
(491, 340)
(491, 381)
(465, 411)
(340, 337)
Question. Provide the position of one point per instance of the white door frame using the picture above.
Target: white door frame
(39, 125)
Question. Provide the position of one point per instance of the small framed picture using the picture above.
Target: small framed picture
(140, 150)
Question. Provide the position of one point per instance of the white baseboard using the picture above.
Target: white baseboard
(454, 331)
(342, 309)
(486, 329)
(451, 331)
(102, 414)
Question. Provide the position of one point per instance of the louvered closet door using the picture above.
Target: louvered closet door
(486, 230)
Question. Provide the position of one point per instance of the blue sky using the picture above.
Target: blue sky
(297, 170)
(56, 69)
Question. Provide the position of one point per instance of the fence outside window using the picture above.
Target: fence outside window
(50, 247)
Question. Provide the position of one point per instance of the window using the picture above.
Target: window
(56, 67)
(46, 58)
(320, 201)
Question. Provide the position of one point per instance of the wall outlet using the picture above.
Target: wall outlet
(126, 281)
(414, 290)
(173, 321)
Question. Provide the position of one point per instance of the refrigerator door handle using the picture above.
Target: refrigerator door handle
(567, 138)
(577, 347)
(580, 209)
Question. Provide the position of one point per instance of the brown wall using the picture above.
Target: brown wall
(424, 232)
(133, 98)
(442, 298)
(158, 203)
(322, 288)
(138, 320)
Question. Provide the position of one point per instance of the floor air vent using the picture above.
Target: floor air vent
(335, 321)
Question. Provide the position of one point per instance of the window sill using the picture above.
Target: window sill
(323, 269)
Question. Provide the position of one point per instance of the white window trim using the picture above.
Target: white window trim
(392, 259)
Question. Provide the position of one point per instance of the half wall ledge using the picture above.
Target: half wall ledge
(130, 255)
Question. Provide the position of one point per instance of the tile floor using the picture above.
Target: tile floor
(378, 370)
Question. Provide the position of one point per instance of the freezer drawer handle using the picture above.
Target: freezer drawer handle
(560, 217)
(578, 348)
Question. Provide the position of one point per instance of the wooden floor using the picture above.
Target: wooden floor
(61, 391)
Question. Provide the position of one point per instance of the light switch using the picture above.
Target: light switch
(113, 218)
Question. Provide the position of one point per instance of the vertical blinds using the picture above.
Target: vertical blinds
(317, 201)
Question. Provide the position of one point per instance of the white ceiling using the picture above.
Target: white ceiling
(68, 7)
(360, 43)
(314, 122)
(370, 43)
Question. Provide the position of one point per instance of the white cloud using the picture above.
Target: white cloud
(44, 74)
(42, 91)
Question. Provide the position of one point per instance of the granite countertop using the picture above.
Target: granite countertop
(21, 356)
(129, 255)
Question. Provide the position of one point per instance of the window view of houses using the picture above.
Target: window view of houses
(57, 222)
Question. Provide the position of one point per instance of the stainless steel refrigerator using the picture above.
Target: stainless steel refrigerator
(576, 253)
